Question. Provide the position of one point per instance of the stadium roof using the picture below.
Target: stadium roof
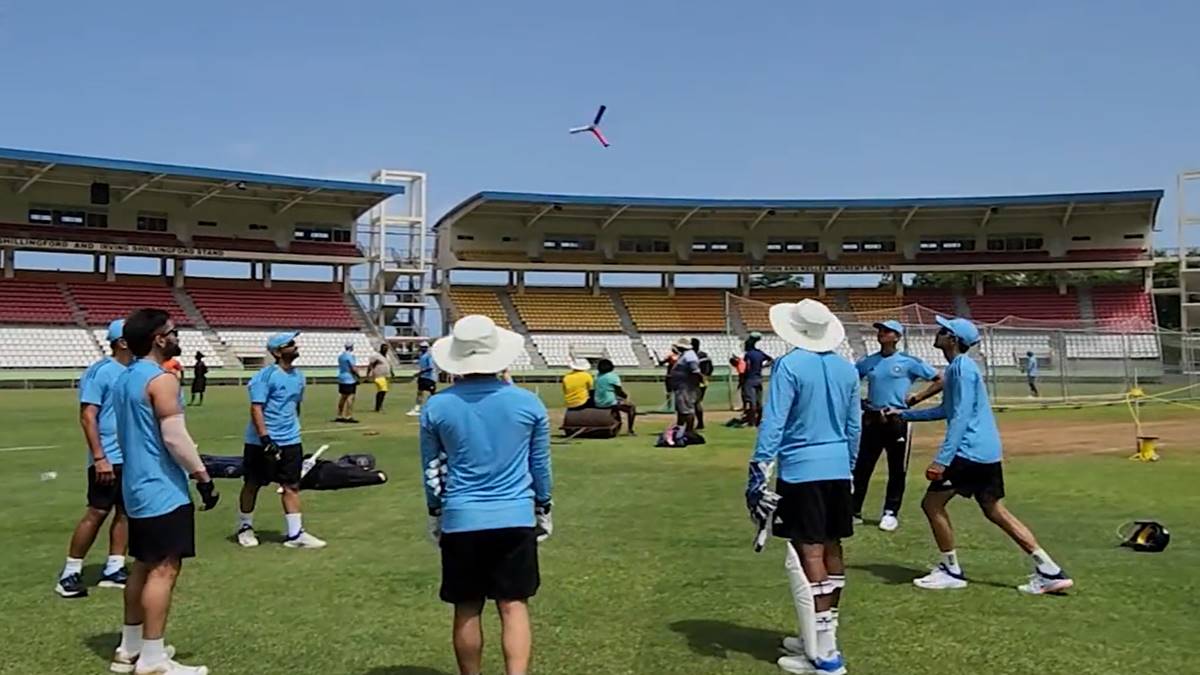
(536, 205)
(126, 178)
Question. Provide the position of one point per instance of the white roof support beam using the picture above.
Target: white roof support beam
(832, 219)
(683, 221)
(544, 210)
(759, 218)
(987, 215)
(1067, 216)
(145, 184)
(615, 214)
(35, 177)
(908, 218)
(212, 193)
(297, 199)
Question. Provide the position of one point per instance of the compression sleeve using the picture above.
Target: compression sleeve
(180, 444)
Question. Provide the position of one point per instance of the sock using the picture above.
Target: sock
(73, 566)
(131, 639)
(115, 563)
(293, 524)
(153, 652)
(245, 520)
(950, 560)
(826, 637)
(834, 614)
(1045, 565)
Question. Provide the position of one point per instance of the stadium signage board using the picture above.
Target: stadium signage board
(151, 250)
(802, 269)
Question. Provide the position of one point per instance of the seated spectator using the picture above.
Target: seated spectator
(609, 394)
(577, 385)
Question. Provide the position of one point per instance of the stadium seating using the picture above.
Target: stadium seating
(919, 343)
(980, 257)
(44, 347)
(190, 341)
(776, 347)
(754, 313)
(466, 300)
(325, 248)
(103, 302)
(558, 348)
(236, 244)
(33, 302)
(1005, 348)
(1028, 303)
(307, 306)
(566, 309)
(1092, 346)
(1105, 254)
(92, 235)
(873, 300)
(940, 300)
(317, 348)
(691, 309)
(1123, 307)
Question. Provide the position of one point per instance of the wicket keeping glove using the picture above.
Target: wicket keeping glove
(208, 494)
(545, 522)
(270, 449)
(760, 500)
(435, 527)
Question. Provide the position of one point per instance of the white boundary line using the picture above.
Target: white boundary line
(29, 447)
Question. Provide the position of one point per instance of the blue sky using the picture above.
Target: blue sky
(750, 99)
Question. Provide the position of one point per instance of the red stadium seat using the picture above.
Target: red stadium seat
(321, 306)
(1028, 303)
(103, 302)
(33, 302)
(1123, 306)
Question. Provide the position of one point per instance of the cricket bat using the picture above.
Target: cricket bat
(307, 465)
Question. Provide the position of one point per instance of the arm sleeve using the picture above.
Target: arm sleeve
(180, 444)
(861, 367)
(431, 447)
(853, 423)
(539, 457)
(90, 390)
(924, 414)
(258, 389)
(775, 414)
(958, 418)
(922, 370)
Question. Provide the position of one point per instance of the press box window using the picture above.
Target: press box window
(41, 216)
(151, 223)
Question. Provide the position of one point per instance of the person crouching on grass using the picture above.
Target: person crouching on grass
(811, 424)
(969, 463)
(485, 454)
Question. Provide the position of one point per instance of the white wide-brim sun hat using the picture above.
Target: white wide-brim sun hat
(579, 363)
(476, 345)
(807, 324)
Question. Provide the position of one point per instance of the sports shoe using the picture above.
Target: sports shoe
(1040, 584)
(792, 646)
(414, 412)
(169, 667)
(246, 537)
(350, 420)
(801, 664)
(889, 522)
(71, 586)
(123, 661)
(941, 579)
(115, 579)
(857, 519)
(303, 540)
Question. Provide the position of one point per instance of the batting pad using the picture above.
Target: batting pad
(802, 598)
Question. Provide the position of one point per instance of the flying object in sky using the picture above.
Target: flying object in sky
(594, 127)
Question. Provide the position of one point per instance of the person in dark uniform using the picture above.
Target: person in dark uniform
(199, 379)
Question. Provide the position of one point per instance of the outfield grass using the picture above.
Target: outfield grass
(650, 570)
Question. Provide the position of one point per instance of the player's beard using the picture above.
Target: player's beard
(172, 350)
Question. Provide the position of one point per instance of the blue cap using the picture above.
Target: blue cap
(116, 330)
(960, 328)
(892, 325)
(280, 339)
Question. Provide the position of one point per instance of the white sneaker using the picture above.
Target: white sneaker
(169, 667)
(940, 579)
(889, 522)
(246, 537)
(792, 646)
(857, 520)
(303, 540)
(1040, 584)
(801, 664)
(123, 661)
(414, 412)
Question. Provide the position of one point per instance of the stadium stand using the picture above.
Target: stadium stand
(718, 346)
(1004, 348)
(1104, 254)
(325, 248)
(103, 302)
(940, 300)
(33, 302)
(1029, 303)
(1123, 306)
(873, 300)
(566, 309)
(317, 348)
(44, 347)
(190, 341)
(558, 348)
(66, 234)
(1137, 346)
(691, 309)
(296, 305)
(483, 300)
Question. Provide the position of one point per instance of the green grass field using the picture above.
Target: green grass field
(650, 570)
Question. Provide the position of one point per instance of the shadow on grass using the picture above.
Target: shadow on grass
(717, 638)
(899, 575)
(264, 537)
(404, 670)
(103, 644)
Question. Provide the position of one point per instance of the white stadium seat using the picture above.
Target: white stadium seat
(557, 348)
(47, 348)
(317, 349)
(191, 341)
(776, 347)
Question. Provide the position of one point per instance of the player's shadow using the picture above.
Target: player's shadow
(264, 537)
(405, 670)
(92, 571)
(890, 573)
(717, 639)
(103, 644)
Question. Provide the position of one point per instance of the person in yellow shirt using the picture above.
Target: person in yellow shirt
(577, 385)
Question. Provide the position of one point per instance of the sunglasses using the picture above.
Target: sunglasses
(944, 331)
(173, 332)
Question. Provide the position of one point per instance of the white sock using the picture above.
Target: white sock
(826, 635)
(73, 566)
(131, 639)
(293, 522)
(245, 520)
(115, 562)
(835, 614)
(950, 560)
(153, 652)
(1045, 564)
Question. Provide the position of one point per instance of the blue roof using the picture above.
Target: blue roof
(198, 172)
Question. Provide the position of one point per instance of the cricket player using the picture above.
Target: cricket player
(381, 372)
(272, 452)
(684, 379)
(811, 425)
(485, 453)
(755, 360)
(706, 371)
(1031, 373)
(347, 379)
(99, 421)
(159, 457)
(890, 374)
(969, 464)
(426, 378)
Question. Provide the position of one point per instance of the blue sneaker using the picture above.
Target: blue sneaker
(71, 586)
(801, 664)
(116, 579)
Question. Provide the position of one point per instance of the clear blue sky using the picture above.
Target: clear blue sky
(750, 99)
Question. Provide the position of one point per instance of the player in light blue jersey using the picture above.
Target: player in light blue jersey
(811, 426)
(890, 375)
(426, 378)
(347, 380)
(485, 453)
(1032, 369)
(99, 421)
(968, 463)
(159, 457)
(272, 452)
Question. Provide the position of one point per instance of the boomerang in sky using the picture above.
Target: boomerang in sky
(594, 127)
